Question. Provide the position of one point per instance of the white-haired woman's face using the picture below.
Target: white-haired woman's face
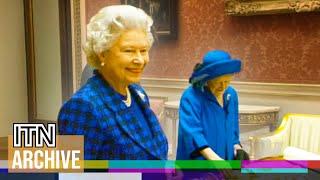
(127, 58)
(218, 85)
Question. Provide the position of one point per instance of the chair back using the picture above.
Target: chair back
(305, 132)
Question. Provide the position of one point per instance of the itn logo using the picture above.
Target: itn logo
(39, 131)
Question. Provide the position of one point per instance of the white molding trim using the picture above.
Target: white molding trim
(257, 88)
(83, 31)
(77, 55)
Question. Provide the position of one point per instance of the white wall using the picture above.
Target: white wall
(13, 78)
(47, 58)
(291, 98)
(287, 104)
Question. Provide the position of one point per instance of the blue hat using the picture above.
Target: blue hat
(215, 63)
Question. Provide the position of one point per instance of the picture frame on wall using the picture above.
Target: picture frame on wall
(262, 7)
(164, 14)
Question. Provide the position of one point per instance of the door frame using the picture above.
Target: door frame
(65, 51)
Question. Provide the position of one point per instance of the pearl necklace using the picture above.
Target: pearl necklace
(127, 102)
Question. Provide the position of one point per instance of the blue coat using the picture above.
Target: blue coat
(204, 123)
(110, 130)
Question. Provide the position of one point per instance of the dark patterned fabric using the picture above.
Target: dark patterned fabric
(110, 130)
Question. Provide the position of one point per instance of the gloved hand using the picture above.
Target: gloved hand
(242, 155)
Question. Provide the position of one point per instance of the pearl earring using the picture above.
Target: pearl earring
(102, 64)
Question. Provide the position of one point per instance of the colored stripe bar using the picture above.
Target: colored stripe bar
(95, 164)
(3, 164)
(275, 170)
(314, 164)
(136, 170)
(274, 164)
(179, 164)
(203, 164)
(141, 164)
(3, 170)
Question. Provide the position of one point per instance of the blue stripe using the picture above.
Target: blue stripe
(3, 170)
(274, 170)
(141, 164)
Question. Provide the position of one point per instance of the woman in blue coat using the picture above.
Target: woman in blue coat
(208, 112)
(111, 110)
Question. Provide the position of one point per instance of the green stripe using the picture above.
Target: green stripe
(95, 164)
(203, 164)
(179, 164)
(274, 170)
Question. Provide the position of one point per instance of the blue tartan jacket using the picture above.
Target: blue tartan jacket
(110, 132)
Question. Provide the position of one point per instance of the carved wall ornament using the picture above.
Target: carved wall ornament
(302, 6)
(258, 7)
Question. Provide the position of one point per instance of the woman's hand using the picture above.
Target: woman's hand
(236, 147)
(209, 154)
(227, 172)
(239, 153)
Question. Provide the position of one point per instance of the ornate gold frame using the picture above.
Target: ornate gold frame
(259, 7)
(171, 31)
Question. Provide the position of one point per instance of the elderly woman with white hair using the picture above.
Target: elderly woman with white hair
(111, 111)
(208, 112)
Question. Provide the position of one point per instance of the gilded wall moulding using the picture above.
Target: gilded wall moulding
(258, 7)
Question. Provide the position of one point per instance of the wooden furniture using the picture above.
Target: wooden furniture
(252, 115)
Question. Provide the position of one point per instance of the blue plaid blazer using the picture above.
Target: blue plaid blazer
(110, 130)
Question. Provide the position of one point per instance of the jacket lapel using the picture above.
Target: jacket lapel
(127, 121)
(158, 137)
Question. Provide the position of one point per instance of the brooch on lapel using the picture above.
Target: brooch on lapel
(228, 97)
(141, 95)
(227, 103)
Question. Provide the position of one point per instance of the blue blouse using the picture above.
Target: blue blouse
(204, 123)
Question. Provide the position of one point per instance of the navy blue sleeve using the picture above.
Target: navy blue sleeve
(77, 117)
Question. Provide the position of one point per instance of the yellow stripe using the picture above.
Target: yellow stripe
(96, 164)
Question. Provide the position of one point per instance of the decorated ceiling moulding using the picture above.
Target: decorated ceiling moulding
(260, 7)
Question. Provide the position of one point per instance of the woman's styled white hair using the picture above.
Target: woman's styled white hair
(107, 25)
